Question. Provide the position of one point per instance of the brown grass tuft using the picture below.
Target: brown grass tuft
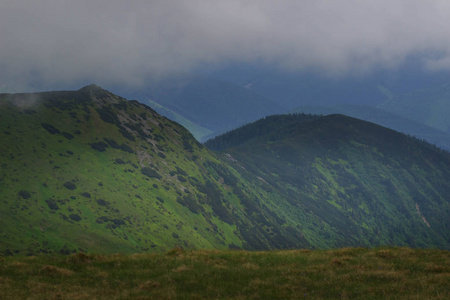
(18, 264)
(250, 266)
(4, 281)
(385, 254)
(182, 268)
(336, 262)
(53, 271)
(149, 285)
(383, 273)
(434, 268)
(177, 251)
(80, 258)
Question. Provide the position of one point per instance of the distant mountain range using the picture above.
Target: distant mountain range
(429, 106)
(90, 171)
(409, 100)
(204, 105)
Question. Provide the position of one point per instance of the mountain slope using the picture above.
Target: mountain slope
(89, 171)
(366, 184)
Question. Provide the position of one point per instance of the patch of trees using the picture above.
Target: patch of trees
(121, 105)
(138, 128)
(250, 205)
(190, 202)
(115, 145)
(113, 223)
(75, 217)
(181, 178)
(107, 115)
(50, 128)
(52, 204)
(70, 185)
(119, 161)
(103, 202)
(24, 194)
(150, 173)
(268, 128)
(187, 145)
(100, 146)
(67, 135)
(158, 137)
(215, 199)
(127, 135)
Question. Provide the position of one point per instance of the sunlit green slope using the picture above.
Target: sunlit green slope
(88, 170)
(346, 181)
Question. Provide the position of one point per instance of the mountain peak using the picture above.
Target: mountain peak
(91, 87)
(97, 92)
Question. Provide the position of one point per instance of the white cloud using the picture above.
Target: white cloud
(61, 42)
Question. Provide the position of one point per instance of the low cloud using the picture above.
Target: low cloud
(58, 43)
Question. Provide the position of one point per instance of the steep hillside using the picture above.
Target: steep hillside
(346, 181)
(88, 170)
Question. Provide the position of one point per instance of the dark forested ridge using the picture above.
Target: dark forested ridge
(385, 119)
(267, 128)
(371, 184)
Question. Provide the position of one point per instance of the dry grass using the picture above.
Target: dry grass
(348, 273)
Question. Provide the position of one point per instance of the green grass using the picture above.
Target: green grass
(361, 181)
(34, 161)
(347, 273)
(301, 182)
(153, 189)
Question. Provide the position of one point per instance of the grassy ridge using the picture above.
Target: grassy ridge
(347, 273)
(89, 171)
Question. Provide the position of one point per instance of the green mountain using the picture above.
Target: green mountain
(386, 119)
(347, 181)
(90, 171)
(412, 94)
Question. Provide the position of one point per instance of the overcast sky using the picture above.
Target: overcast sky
(59, 42)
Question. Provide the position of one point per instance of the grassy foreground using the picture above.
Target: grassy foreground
(348, 273)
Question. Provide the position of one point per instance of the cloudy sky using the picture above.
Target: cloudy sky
(57, 42)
